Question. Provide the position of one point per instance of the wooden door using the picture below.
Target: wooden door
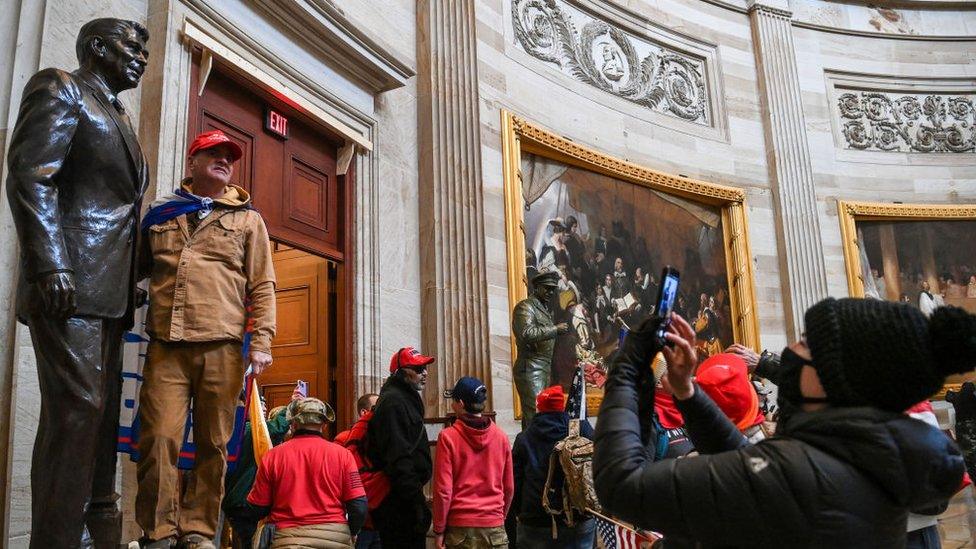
(303, 348)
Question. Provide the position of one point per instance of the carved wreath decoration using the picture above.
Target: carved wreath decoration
(605, 57)
(932, 123)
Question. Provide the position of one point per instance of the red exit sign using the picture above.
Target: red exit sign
(276, 123)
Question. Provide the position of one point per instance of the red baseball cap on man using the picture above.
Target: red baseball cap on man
(725, 378)
(214, 138)
(408, 357)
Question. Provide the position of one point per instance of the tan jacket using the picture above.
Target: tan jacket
(199, 281)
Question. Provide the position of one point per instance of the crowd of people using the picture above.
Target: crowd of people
(682, 448)
(847, 465)
(681, 451)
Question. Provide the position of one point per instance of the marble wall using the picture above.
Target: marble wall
(842, 174)
(730, 148)
(735, 154)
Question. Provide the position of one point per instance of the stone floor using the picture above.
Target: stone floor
(954, 524)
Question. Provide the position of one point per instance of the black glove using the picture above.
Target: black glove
(963, 401)
(632, 366)
(642, 343)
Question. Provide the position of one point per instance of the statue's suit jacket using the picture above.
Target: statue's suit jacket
(75, 185)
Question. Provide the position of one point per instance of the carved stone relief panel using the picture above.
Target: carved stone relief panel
(913, 122)
(592, 51)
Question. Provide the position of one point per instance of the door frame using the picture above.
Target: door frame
(345, 310)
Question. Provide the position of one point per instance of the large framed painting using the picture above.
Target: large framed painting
(914, 253)
(607, 227)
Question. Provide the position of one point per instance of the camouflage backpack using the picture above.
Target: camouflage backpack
(573, 455)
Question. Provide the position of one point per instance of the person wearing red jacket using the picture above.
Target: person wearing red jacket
(473, 483)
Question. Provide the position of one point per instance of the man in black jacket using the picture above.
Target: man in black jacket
(397, 443)
(530, 462)
(846, 465)
(75, 185)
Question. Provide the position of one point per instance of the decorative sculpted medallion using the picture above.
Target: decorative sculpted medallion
(603, 56)
(907, 123)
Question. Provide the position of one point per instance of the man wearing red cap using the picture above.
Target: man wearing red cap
(530, 462)
(206, 253)
(397, 444)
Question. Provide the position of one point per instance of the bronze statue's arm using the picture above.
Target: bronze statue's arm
(527, 328)
(260, 283)
(46, 124)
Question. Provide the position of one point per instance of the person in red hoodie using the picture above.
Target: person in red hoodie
(473, 482)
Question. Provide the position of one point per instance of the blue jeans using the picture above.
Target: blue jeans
(368, 539)
(569, 537)
(924, 538)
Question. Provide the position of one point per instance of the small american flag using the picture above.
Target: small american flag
(576, 403)
(615, 536)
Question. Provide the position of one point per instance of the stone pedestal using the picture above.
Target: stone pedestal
(804, 276)
(452, 242)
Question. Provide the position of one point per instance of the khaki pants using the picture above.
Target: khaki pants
(475, 538)
(211, 374)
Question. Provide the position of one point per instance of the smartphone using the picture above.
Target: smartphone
(666, 298)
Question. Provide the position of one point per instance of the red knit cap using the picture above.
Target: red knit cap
(725, 378)
(551, 399)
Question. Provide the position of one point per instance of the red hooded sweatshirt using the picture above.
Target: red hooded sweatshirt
(473, 483)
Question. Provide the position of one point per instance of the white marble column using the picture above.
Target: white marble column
(804, 276)
(452, 242)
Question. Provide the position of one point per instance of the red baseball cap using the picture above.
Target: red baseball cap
(408, 357)
(214, 138)
(551, 399)
(725, 378)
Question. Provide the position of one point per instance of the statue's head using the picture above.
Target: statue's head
(115, 49)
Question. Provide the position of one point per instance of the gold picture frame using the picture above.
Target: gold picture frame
(850, 212)
(519, 135)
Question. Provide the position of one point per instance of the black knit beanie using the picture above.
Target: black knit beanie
(888, 355)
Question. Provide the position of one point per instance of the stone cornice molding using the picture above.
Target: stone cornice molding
(771, 8)
(341, 42)
(742, 6)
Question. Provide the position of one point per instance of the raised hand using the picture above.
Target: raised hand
(681, 358)
(748, 355)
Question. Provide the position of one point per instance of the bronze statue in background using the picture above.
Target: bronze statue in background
(535, 337)
(75, 185)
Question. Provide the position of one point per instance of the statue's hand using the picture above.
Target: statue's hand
(58, 293)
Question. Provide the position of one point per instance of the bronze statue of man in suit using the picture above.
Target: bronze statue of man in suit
(535, 339)
(76, 180)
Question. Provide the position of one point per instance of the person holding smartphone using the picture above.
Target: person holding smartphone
(846, 466)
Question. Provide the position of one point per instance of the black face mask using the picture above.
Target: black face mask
(789, 397)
